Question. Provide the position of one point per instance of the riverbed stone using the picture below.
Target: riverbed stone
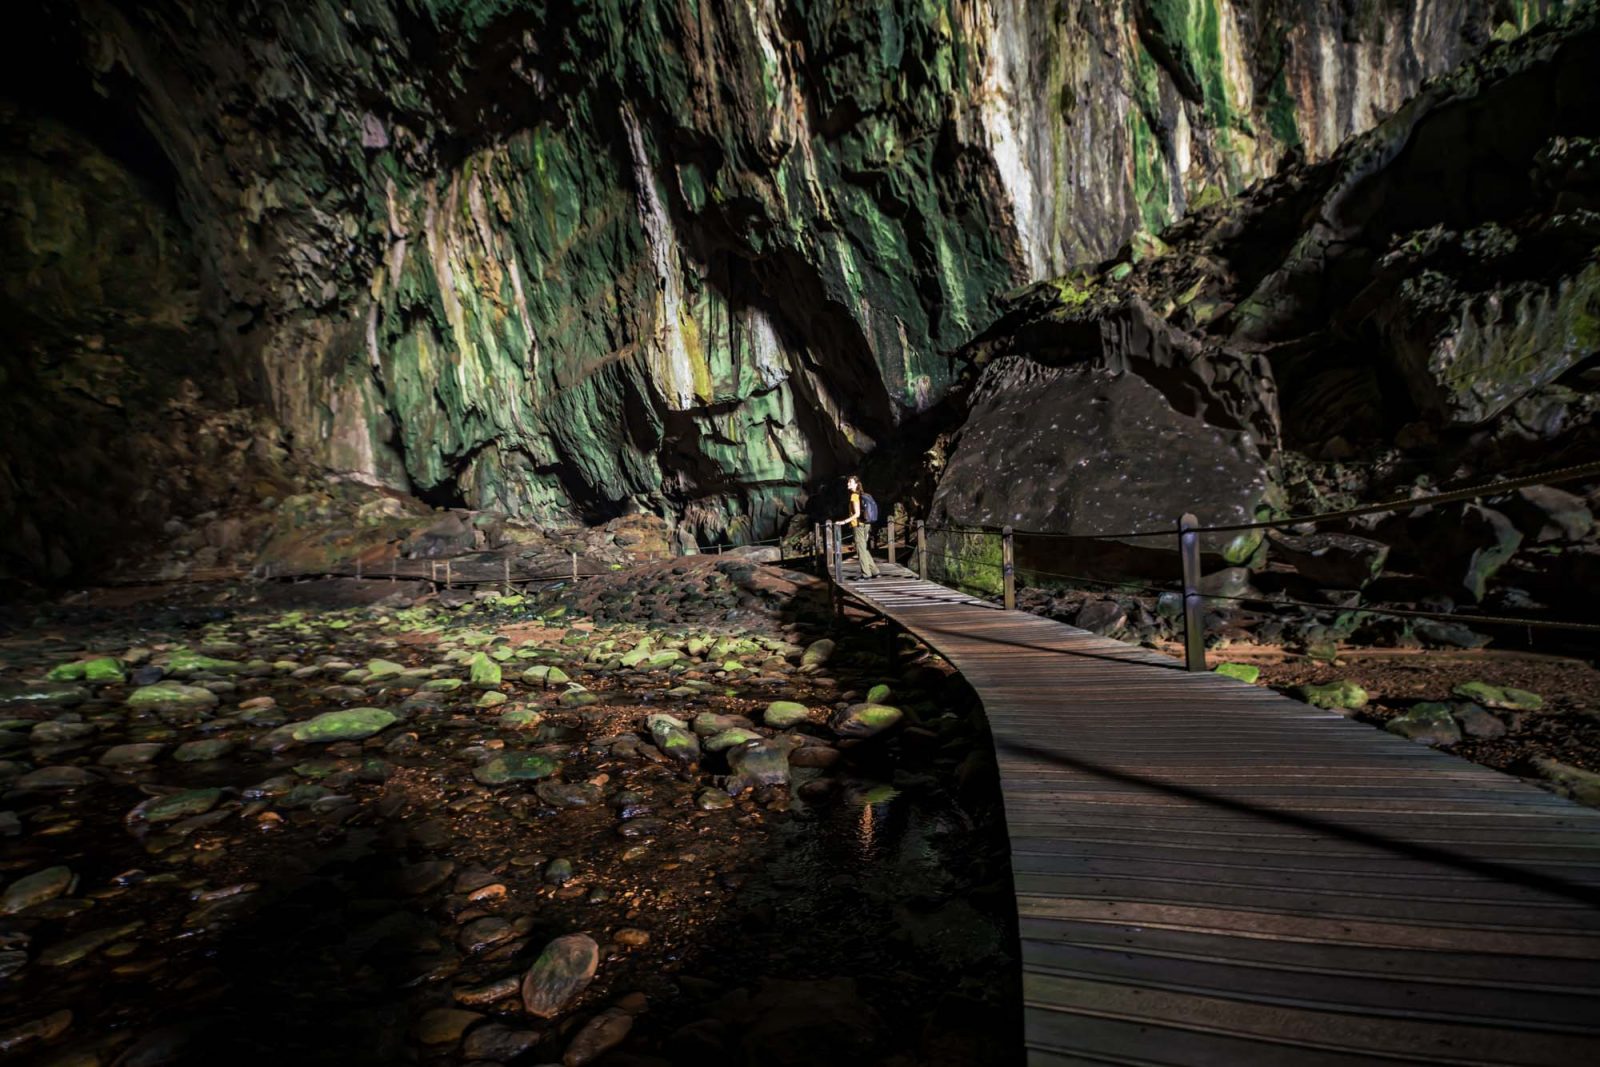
(1478, 723)
(515, 767)
(178, 805)
(563, 970)
(782, 714)
(1575, 782)
(36, 888)
(674, 738)
(866, 720)
(37, 694)
(134, 755)
(172, 697)
(486, 673)
(599, 1035)
(729, 738)
(818, 653)
(209, 748)
(758, 764)
(352, 724)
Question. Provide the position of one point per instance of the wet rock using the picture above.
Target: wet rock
(444, 1026)
(36, 888)
(815, 756)
(490, 993)
(1101, 617)
(1334, 696)
(599, 1035)
(176, 806)
(498, 1043)
(783, 714)
(759, 764)
(70, 951)
(1545, 514)
(1438, 633)
(134, 755)
(37, 694)
(349, 725)
(201, 751)
(515, 767)
(558, 872)
(19, 1037)
(1494, 696)
(54, 779)
(674, 738)
(865, 720)
(186, 661)
(576, 696)
(568, 794)
(384, 668)
(563, 970)
(713, 800)
(485, 933)
(817, 653)
(1242, 672)
(172, 697)
(730, 738)
(420, 878)
(1428, 724)
(486, 673)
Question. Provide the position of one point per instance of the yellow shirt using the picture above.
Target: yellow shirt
(855, 507)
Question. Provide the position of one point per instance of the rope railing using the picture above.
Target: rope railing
(828, 543)
(1557, 476)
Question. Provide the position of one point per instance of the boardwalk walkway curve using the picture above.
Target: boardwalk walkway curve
(1210, 873)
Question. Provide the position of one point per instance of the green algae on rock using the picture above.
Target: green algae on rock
(515, 767)
(1503, 697)
(172, 697)
(1341, 695)
(1243, 672)
(352, 724)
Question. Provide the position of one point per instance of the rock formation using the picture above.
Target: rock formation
(569, 261)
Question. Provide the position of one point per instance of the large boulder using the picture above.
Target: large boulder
(1090, 448)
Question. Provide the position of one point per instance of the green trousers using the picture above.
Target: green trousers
(869, 569)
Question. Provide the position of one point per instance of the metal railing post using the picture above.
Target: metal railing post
(1194, 637)
(449, 582)
(838, 555)
(358, 567)
(888, 550)
(819, 544)
(922, 549)
(574, 566)
(505, 575)
(1008, 570)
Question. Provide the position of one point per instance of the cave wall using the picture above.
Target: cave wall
(572, 259)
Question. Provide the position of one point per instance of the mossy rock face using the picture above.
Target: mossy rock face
(674, 738)
(486, 672)
(171, 696)
(384, 668)
(492, 699)
(1503, 697)
(866, 720)
(349, 725)
(106, 670)
(782, 714)
(877, 694)
(1428, 724)
(442, 685)
(1242, 672)
(1343, 695)
(515, 767)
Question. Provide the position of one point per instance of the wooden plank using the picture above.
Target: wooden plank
(1208, 872)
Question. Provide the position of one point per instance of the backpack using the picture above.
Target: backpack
(869, 509)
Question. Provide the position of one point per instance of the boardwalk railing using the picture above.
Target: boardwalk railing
(1186, 533)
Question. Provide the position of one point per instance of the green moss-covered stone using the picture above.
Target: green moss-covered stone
(180, 805)
(877, 694)
(515, 767)
(66, 672)
(866, 720)
(1342, 695)
(384, 668)
(485, 672)
(442, 685)
(729, 738)
(1243, 672)
(185, 661)
(171, 696)
(349, 725)
(782, 714)
(1503, 697)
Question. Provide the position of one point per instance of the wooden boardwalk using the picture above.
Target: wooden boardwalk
(1210, 873)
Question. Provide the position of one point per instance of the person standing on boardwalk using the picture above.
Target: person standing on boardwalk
(861, 520)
